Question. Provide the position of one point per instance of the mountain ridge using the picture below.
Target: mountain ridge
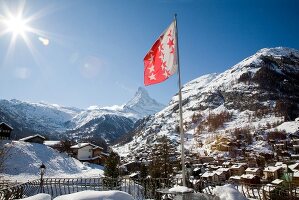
(54, 121)
(260, 91)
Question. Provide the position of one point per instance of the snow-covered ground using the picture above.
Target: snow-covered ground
(86, 195)
(24, 160)
(228, 192)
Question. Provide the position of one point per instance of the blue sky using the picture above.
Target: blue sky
(96, 47)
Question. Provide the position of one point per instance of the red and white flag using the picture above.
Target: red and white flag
(161, 61)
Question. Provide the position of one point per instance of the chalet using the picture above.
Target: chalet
(238, 169)
(210, 177)
(272, 172)
(5, 131)
(254, 171)
(220, 176)
(87, 152)
(250, 179)
(34, 139)
(226, 172)
(235, 179)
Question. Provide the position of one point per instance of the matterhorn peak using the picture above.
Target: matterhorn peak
(142, 104)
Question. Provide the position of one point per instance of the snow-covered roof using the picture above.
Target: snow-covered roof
(248, 176)
(250, 169)
(134, 174)
(208, 174)
(237, 165)
(294, 166)
(296, 174)
(105, 154)
(51, 142)
(222, 169)
(32, 136)
(3, 123)
(235, 177)
(196, 169)
(81, 145)
(272, 168)
(277, 181)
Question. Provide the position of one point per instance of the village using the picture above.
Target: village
(246, 169)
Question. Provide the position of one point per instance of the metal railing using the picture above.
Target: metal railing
(139, 188)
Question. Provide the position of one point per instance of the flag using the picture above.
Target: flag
(161, 61)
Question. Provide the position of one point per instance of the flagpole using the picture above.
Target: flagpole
(180, 105)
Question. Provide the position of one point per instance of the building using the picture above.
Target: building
(5, 131)
(250, 179)
(210, 177)
(87, 152)
(238, 169)
(34, 139)
(272, 172)
(254, 171)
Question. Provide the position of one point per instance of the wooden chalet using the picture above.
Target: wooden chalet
(250, 179)
(34, 139)
(238, 169)
(254, 171)
(5, 131)
(272, 172)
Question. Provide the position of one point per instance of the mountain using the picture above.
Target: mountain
(234, 107)
(29, 118)
(142, 105)
(110, 123)
(96, 123)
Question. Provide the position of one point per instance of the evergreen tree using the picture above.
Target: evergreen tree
(111, 171)
(111, 165)
(162, 159)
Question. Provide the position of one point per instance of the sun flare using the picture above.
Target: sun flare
(17, 25)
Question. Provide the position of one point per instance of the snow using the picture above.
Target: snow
(51, 142)
(40, 196)
(57, 164)
(32, 136)
(228, 192)
(289, 127)
(96, 195)
(180, 189)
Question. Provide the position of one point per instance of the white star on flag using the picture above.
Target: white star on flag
(152, 77)
(152, 68)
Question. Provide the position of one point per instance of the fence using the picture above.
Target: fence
(138, 188)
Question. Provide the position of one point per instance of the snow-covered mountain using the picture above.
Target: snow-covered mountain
(142, 104)
(259, 93)
(110, 123)
(96, 122)
(28, 118)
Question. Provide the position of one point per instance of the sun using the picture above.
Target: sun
(15, 22)
(17, 25)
